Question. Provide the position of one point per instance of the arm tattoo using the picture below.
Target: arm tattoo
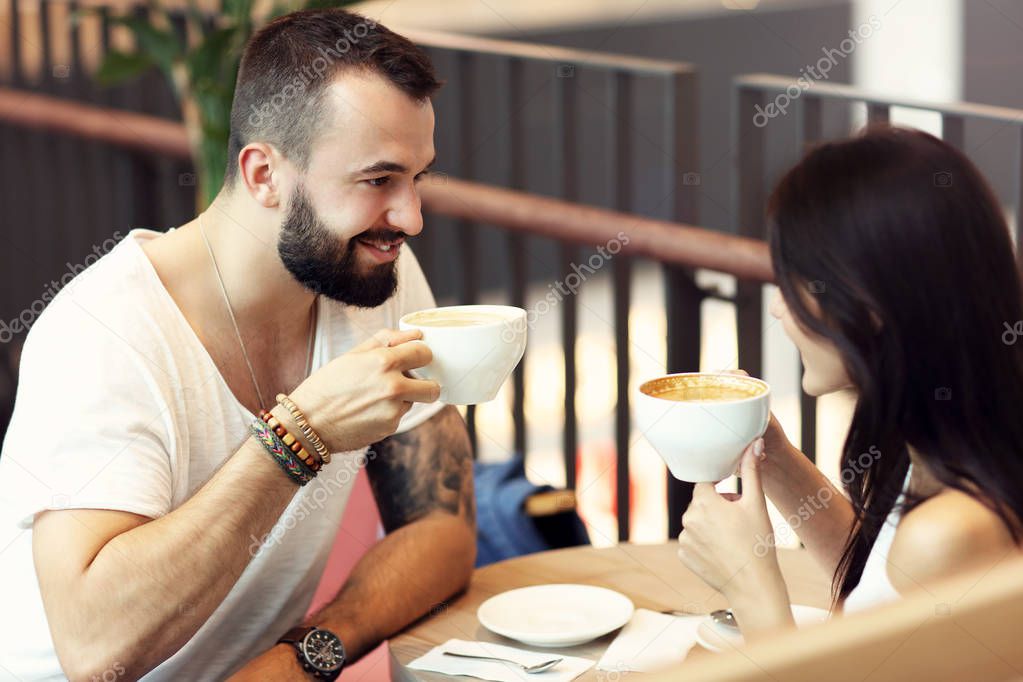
(423, 470)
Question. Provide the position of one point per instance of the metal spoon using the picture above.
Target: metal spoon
(538, 668)
(724, 617)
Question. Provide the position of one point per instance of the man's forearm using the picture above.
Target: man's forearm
(167, 576)
(422, 481)
(400, 579)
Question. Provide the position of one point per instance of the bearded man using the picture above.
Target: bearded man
(193, 409)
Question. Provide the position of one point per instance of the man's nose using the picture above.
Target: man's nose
(407, 214)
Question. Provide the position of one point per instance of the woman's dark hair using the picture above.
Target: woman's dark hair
(904, 249)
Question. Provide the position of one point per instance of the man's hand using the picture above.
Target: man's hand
(279, 664)
(359, 397)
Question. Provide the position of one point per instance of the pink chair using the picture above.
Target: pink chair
(360, 529)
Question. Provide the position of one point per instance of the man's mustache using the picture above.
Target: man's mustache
(382, 235)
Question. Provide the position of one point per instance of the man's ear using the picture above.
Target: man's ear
(256, 163)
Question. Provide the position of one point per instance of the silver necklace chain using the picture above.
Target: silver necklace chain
(234, 322)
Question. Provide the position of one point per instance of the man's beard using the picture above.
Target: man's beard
(325, 265)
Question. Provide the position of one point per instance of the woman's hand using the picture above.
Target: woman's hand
(726, 538)
(727, 541)
(776, 443)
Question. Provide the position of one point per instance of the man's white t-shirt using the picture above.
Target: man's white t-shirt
(119, 406)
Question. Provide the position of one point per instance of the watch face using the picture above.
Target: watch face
(323, 651)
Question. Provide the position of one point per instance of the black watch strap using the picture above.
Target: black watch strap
(295, 635)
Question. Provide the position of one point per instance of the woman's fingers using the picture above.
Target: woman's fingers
(752, 489)
(756, 448)
(703, 490)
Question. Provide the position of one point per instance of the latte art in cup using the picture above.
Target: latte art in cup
(447, 318)
(700, 424)
(475, 348)
(703, 388)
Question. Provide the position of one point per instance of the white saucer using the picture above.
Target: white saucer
(555, 615)
(719, 638)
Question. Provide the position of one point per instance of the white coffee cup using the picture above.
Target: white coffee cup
(475, 348)
(702, 438)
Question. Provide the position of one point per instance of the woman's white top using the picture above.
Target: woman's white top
(874, 587)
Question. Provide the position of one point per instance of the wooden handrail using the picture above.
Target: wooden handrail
(664, 241)
(113, 126)
(668, 242)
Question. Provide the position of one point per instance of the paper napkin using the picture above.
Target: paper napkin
(651, 641)
(435, 661)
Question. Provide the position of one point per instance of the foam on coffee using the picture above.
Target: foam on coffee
(453, 318)
(703, 388)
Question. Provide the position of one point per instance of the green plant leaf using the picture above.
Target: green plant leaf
(278, 9)
(211, 67)
(209, 58)
(117, 67)
(212, 163)
(239, 10)
(214, 102)
(162, 46)
(193, 15)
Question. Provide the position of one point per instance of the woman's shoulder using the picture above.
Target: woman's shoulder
(946, 534)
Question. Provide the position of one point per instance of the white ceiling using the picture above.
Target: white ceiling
(509, 16)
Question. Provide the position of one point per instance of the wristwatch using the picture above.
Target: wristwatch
(319, 651)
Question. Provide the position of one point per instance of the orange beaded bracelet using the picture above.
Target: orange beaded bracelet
(294, 444)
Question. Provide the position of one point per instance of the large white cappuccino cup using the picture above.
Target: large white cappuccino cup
(700, 424)
(475, 348)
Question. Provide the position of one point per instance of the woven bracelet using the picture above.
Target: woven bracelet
(313, 462)
(281, 453)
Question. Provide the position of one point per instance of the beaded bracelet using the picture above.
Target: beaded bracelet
(292, 443)
(303, 425)
(285, 458)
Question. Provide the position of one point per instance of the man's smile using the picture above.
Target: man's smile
(382, 250)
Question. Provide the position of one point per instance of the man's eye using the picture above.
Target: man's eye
(421, 175)
(379, 182)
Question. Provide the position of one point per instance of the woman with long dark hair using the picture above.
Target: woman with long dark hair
(897, 281)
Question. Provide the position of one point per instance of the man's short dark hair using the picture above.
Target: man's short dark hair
(288, 65)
